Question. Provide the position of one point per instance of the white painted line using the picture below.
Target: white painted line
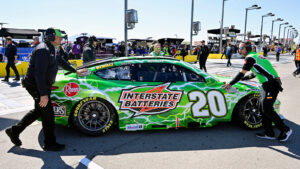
(89, 164)
(17, 110)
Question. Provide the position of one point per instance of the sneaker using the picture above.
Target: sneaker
(294, 74)
(14, 138)
(17, 79)
(54, 147)
(5, 80)
(284, 136)
(265, 136)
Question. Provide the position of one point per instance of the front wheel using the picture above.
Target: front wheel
(248, 113)
(94, 116)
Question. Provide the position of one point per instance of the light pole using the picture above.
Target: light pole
(261, 30)
(221, 29)
(125, 28)
(286, 23)
(192, 20)
(247, 9)
(284, 34)
(276, 20)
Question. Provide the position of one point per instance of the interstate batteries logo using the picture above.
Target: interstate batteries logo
(149, 100)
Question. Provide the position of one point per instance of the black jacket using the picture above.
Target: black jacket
(203, 52)
(43, 67)
(10, 52)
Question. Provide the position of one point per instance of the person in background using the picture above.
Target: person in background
(254, 48)
(157, 50)
(173, 49)
(228, 52)
(89, 50)
(76, 50)
(166, 50)
(121, 49)
(278, 50)
(203, 55)
(265, 50)
(297, 60)
(36, 41)
(11, 55)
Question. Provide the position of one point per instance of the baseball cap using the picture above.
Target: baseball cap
(59, 33)
(8, 38)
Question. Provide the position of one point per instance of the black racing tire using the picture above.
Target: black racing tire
(94, 116)
(248, 113)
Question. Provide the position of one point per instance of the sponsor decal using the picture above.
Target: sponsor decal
(71, 89)
(150, 100)
(105, 66)
(134, 127)
(59, 110)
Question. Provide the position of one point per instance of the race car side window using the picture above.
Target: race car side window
(157, 72)
(115, 73)
(193, 77)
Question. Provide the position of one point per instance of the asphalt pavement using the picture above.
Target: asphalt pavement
(223, 146)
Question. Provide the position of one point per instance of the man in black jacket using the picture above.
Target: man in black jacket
(11, 54)
(202, 55)
(121, 50)
(41, 74)
(89, 53)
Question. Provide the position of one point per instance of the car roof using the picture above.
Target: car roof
(99, 62)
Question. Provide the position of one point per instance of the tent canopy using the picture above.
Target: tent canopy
(19, 33)
(217, 31)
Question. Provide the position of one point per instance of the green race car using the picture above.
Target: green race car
(149, 93)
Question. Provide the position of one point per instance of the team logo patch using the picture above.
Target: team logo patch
(71, 89)
(59, 110)
(150, 100)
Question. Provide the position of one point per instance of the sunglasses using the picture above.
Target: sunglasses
(241, 48)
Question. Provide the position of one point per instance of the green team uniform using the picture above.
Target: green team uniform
(160, 53)
(261, 67)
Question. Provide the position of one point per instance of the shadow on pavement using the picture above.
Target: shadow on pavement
(223, 136)
(6, 122)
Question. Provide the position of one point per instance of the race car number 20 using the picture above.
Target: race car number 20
(213, 99)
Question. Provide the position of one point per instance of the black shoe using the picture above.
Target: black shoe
(54, 147)
(284, 136)
(265, 136)
(17, 79)
(294, 74)
(14, 138)
(5, 80)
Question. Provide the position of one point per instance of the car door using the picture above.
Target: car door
(204, 101)
(152, 102)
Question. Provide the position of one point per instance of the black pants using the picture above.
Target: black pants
(46, 114)
(202, 63)
(269, 94)
(228, 60)
(297, 63)
(277, 57)
(11, 64)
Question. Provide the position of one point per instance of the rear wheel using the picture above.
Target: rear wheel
(94, 116)
(248, 113)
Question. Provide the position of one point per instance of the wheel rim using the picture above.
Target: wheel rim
(252, 111)
(94, 115)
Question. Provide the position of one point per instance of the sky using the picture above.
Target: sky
(157, 18)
